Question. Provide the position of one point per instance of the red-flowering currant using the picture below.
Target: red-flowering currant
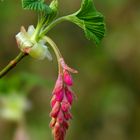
(34, 42)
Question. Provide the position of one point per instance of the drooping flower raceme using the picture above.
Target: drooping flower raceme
(29, 45)
(61, 102)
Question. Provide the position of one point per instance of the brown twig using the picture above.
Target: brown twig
(12, 64)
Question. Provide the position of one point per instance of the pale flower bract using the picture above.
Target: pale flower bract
(37, 50)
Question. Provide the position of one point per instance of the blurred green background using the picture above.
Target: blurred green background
(108, 82)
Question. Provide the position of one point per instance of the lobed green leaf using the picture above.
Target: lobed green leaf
(90, 20)
(36, 5)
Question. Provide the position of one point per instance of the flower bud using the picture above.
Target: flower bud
(58, 132)
(67, 115)
(65, 106)
(55, 110)
(53, 101)
(65, 125)
(69, 95)
(60, 117)
(67, 78)
(59, 85)
(52, 123)
(59, 96)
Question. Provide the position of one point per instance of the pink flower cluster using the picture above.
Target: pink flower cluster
(61, 102)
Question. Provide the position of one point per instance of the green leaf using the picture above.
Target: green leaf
(90, 20)
(54, 7)
(54, 10)
(36, 5)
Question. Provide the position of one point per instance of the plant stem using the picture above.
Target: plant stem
(12, 64)
(56, 51)
(54, 47)
(54, 23)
